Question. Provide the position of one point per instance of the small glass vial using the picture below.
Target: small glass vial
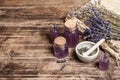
(71, 32)
(60, 47)
(54, 32)
(103, 62)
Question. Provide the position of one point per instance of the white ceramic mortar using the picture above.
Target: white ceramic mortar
(87, 44)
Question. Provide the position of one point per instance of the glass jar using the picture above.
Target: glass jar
(60, 47)
(103, 62)
(71, 32)
(54, 32)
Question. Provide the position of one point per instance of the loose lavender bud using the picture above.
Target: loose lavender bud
(63, 66)
(61, 61)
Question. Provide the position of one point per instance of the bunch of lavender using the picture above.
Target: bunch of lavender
(98, 27)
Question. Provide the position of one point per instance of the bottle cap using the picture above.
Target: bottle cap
(71, 24)
(60, 41)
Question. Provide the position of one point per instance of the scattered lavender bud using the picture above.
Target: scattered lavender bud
(11, 53)
(61, 61)
(63, 66)
(70, 59)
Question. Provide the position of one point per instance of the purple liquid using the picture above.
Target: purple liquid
(60, 52)
(72, 37)
(104, 63)
(54, 32)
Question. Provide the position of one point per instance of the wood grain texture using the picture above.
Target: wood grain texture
(36, 9)
(33, 55)
(25, 49)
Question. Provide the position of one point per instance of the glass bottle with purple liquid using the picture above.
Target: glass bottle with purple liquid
(71, 32)
(104, 62)
(54, 32)
(60, 47)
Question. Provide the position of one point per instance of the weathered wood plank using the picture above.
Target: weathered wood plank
(33, 57)
(23, 32)
(36, 9)
(45, 67)
(7, 28)
(39, 2)
(41, 23)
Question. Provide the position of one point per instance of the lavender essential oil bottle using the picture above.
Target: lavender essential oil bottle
(54, 32)
(60, 47)
(103, 62)
(71, 32)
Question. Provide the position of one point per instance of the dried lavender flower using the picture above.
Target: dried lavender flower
(61, 61)
(87, 10)
(63, 66)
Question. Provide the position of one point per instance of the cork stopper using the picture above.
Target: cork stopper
(60, 41)
(71, 24)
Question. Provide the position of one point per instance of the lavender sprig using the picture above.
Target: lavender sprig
(99, 28)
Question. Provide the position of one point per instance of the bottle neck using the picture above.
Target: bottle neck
(60, 46)
(71, 30)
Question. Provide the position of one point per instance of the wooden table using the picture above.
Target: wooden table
(25, 50)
